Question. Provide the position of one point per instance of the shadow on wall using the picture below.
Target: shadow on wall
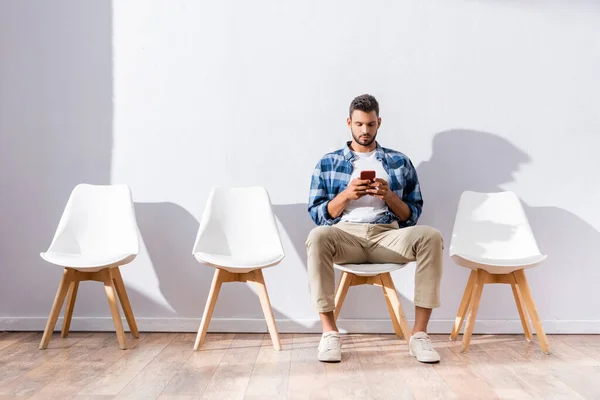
(169, 232)
(55, 132)
(479, 161)
(297, 224)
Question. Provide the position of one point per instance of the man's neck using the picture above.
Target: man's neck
(362, 149)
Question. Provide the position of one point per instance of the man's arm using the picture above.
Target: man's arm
(319, 200)
(325, 211)
(398, 207)
(381, 190)
(408, 209)
(336, 207)
(411, 195)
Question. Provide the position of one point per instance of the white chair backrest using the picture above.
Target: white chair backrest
(98, 219)
(238, 222)
(493, 226)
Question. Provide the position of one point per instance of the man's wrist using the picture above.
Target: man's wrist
(344, 197)
(391, 196)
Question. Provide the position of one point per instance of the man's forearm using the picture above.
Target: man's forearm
(335, 207)
(398, 207)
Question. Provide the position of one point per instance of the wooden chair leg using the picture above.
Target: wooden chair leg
(210, 306)
(257, 277)
(341, 292)
(109, 288)
(125, 304)
(392, 299)
(464, 306)
(521, 308)
(473, 307)
(397, 328)
(73, 287)
(59, 299)
(533, 312)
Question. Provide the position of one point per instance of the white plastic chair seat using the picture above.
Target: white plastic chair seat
(368, 269)
(491, 232)
(238, 231)
(98, 229)
(87, 263)
(237, 264)
(497, 266)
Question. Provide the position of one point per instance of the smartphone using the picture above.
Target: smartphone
(370, 175)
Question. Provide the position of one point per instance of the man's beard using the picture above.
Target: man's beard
(364, 142)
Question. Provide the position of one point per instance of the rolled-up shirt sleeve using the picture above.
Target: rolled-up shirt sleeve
(412, 195)
(318, 200)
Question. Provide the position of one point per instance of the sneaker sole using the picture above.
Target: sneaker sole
(423, 361)
(329, 360)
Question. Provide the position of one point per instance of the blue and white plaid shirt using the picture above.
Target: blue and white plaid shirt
(332, 176)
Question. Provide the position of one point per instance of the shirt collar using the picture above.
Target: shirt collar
(349, 155)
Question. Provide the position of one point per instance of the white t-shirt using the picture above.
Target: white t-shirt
(367, 208)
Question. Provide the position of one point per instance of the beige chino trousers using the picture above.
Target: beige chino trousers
(356, 243)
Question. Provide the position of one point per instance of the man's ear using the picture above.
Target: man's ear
(378, 122)
(349, 122)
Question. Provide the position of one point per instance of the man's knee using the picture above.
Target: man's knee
(431, 235)
(319, 235)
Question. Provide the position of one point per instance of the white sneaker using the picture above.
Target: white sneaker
(330, 347)
(420, 347)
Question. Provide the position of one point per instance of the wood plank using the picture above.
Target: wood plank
(80, 365)
(578, 349)
(155, 377)
(578, 368)
(579, 340)
(461, 379)
(23, 349)
(9, 338)
(195, 374)
(384, 378)
(346, 380)
(504, 383)
(308, 376)
(534, 373)
(235, 369)
(270, 377)
(126, 368)
(31, 368)
(67, 379)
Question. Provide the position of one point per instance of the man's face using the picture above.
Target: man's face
(364, 126)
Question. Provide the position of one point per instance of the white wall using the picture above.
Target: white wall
(486, 96)
(55, 131)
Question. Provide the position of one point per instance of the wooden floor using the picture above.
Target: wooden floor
(245, 366)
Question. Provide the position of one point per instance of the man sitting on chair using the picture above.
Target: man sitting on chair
(370, 221)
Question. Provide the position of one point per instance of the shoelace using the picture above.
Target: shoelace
(331, 342)
(425, 343)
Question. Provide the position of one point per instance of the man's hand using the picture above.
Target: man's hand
(356, 189)
(380, 189)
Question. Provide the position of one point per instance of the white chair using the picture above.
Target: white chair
(378, 275)
(238, 236)
(96, 234)
(493, 238)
